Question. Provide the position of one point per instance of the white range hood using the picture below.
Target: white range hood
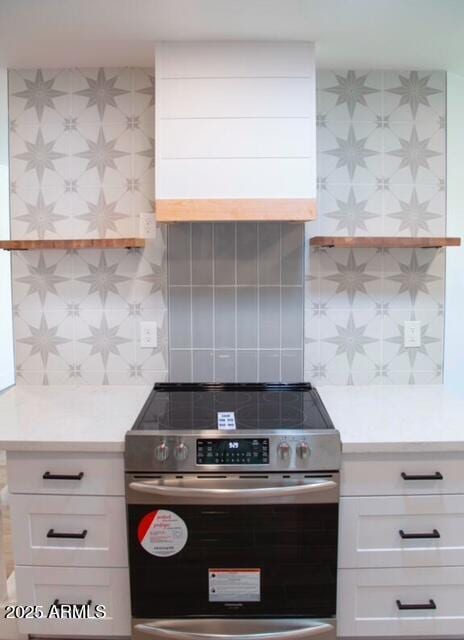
(235, 131)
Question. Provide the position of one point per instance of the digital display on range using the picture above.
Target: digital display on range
(233, 451)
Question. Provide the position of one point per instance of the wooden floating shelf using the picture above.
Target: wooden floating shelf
(236, 210)
(384, 242)
(87, 243)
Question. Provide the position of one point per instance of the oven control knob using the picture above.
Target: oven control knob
(162, 451)
(284, 451)
(303, 451)
(181, 451)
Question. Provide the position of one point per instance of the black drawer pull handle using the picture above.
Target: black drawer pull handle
(79, 536)
(57, 603)
(419, 536)
(433, 476)
(410, 607)
(59, 476)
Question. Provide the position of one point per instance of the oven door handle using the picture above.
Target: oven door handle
(279, 491)
(162, 631)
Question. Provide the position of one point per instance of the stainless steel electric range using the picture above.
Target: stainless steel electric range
(232, 498)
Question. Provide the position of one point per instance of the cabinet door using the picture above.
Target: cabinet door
(69, 530)
(99, 474)
(408, 531)
(402, 475)
(400, 602)
(43, 586)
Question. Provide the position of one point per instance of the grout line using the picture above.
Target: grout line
(191, 301)
(244, 348)
(214, 300)
(280, 299)
(168, 304)
(258, 307)
(236, 303)
(239, 286)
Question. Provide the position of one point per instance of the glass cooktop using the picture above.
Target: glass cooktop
(252, 407)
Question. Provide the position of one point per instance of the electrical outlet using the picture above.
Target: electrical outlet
(148, 335)
(147, 224)
(412, 333)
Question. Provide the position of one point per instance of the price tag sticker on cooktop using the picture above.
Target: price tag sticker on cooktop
(234, 585)
(226, 420)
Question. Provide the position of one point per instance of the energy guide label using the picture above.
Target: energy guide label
(162, 533)
(234, 585)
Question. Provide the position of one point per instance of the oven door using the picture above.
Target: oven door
(233, 546)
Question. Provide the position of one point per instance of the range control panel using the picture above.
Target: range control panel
(233, 451)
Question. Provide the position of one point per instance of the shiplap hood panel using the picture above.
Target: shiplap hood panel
(235, 131)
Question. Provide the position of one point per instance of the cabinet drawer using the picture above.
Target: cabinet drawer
(402, 475)
(69, 530)
(78, 473)
(368, 602)
(401, 531)
(42, 586)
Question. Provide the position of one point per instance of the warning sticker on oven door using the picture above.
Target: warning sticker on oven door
(162, 533)
(234, 585)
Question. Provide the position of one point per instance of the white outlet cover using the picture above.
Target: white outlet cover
(148, 335)
(412, 333)
(147, 225)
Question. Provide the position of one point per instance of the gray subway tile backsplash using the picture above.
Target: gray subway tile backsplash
(292, 365)
(224, 317)
(179, 256)
(202, 318)
(224, 253)
(247, 253)
(269, 365)
(292, 317)
(180, 365)
(292, 264)
(203, 365)
(202, 253)
(180, 325)
(247, 365)
(269, 317)
(239, 288)
(269, 257)
(247, 317)
(225, 365)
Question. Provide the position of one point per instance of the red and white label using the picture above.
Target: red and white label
(234, 585)
(162, 533)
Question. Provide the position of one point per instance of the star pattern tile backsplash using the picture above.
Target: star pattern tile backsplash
(381, 171)
(82, 160)
(81, 155)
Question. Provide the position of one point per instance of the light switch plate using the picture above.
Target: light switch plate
(148, 335)
(412, 333)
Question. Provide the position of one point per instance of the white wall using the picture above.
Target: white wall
(6, 323)
(454, 324)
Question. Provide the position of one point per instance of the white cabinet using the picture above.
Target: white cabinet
(401, 531)
(370, 600)
(92, 474)
(402, 475)
(69, 530)
(44, 586)
(70, 544)
(401, 548)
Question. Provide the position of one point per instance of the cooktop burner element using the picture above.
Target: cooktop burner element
(255, 407)
(233, 427)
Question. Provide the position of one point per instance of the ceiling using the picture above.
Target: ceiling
(425, 34)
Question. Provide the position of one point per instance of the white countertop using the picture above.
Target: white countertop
(68, 418)
(93, 418)
(394, 418)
